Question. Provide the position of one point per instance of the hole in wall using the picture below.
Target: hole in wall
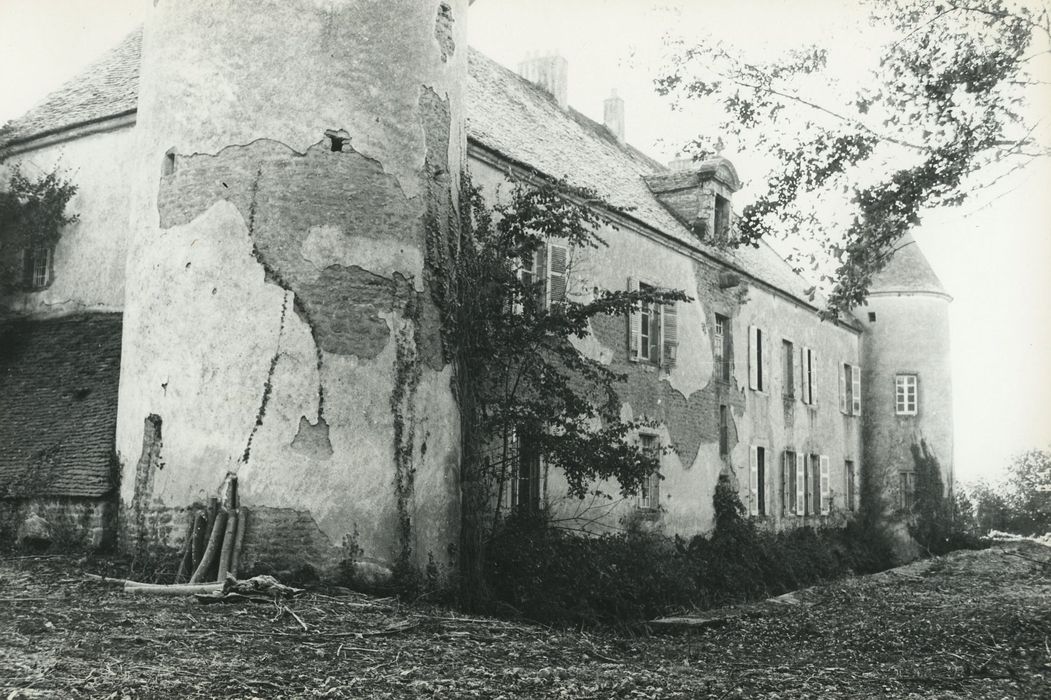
(168, 165)
(336, 139)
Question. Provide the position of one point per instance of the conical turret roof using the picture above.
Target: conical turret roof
(908, 272)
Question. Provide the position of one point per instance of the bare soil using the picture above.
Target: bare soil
(969, 625)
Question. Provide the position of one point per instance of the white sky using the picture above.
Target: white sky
(993, 255)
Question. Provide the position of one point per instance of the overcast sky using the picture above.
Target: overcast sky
(993, 255)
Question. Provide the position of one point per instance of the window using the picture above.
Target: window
(788, 374)
(724, 431)
(789, 483)
(757, 359)
(650, 493)
(757, 481)
(905, 394)
(722, 347)
(850, 389)
(653, 335)
(526, 489)
(816, 483)
(907, 490)
(848, 473)
(36, 267)
(556, 269)
(808, 374)
(872, 316)
(722, 218)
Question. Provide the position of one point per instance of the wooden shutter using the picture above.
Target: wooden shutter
(753, 357)
(634, 326)
(786, 493)
(812, 374)
(843, 407)
(804, 373)
(800, 484)
(669, 334)
(753, 480)
(557, 262)
(855, 384)
(825, 504)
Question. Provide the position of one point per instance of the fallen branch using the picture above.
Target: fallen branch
(171, 589)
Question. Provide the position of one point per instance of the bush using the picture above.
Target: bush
(550, 575)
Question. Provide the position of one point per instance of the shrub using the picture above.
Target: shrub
(550, 575)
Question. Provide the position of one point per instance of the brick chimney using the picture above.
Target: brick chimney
(550, 72)
(613, 115)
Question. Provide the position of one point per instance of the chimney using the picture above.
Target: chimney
(550, 73)
(613, 115)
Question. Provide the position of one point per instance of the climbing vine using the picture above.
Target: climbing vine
(32, 215)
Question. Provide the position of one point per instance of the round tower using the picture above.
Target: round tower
(299, 166)
(906, 376)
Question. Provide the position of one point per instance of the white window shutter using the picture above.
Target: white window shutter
(557, 263)
(843, 408)
(800, 484)
(855, 382)
(634, 326)
(765, 347)
(825, 504)
(753, 360)
(753, 480)
(669, 334)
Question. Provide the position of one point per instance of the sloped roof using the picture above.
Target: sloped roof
(106, 88)
(517, 119)
(505, 113)
(58, 399)
(908, 272)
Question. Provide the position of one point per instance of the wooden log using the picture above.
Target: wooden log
(242, 525)
(177, 589)
(215, 542)
(200, 537)
(187, 549)
(228, 546)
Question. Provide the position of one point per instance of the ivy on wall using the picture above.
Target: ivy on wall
(32, 216)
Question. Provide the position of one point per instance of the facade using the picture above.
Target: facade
(263, 227)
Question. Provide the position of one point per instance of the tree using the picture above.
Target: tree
(1021, 502)
(941, 114)
(520, 381)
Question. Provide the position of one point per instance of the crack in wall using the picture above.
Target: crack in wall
(267, 384)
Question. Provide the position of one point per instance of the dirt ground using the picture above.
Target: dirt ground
(970, 625)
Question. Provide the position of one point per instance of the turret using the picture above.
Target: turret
(906, 376)
(296, 158)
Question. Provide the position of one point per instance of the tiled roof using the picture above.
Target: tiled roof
(908, 271)
(58, 399)
(108, 87)
(510, 115)
(506, 114)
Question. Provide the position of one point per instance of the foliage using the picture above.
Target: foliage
(1021, 503)
(518, 374)
(550, 575)
(946, 101)
(32, 214)
(939, 521)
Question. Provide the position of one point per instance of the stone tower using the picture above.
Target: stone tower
(298, 174)
(906, 374)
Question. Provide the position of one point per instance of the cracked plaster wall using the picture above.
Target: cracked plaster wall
(686, 399)
(270, 275)
(88, 263)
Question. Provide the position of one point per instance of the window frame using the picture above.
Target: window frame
(649, 492)
(722, 344)
(903, 381)
(37, 267)
(788, 364)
